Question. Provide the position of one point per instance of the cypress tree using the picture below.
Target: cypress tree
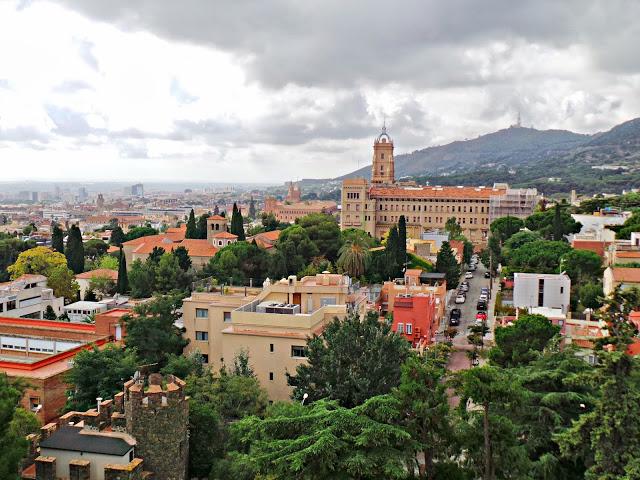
(391, 253)
(123, 280)
(75, 250)
(252, 208)
(446, 263)
(202, 226)
(402, 240)
(558, 230)
(57, 239)
(237, 224)
(192, 229)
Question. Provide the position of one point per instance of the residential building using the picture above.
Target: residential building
(548, 290)
(271, 325)
(222, 239)
(84, 279)
(415, 318)
(623, 277)
(40, 352)
(28, 297)
(293, 207)
(376, 206)
(141, 433)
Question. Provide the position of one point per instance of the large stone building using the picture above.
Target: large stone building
(28, 297)
(141, 433)
(376, 206)
(293, 207)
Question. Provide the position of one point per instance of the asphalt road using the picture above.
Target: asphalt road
(458, 359)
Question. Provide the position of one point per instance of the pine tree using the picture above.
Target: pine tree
(402, 240)
(117, 237)
(75, 250)
(123, 279)
(446, 263)
(202, 226)
(192, 229)
(237, 224)
(49, 313)
(57, 239)
(252, 208)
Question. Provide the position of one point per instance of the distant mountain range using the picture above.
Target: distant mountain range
(551, 160)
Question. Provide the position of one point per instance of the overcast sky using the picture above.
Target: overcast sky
(263, 90)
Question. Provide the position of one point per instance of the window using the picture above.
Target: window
(202, 336)
(34, 402)
(11, 305)
(227, 316)
(561, 290)
(205, 358)
(382, 156)
(400, 328)
(131, 456)
(271, 348)
(409, 328)
(298, 351)
(202, 313)
(271, 376)
(541, 292)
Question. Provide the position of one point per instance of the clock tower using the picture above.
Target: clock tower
(382, 168)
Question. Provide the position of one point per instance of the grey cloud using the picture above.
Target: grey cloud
(339, 43)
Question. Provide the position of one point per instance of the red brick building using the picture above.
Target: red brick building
(414, 316)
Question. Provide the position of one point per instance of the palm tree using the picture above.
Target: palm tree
(353, 257)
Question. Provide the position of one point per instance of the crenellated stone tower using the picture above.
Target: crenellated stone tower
(382, 169)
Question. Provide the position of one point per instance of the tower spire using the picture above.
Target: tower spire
(519, 122)
(384, 124)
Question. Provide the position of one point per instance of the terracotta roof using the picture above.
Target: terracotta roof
(180, 229)
(273, 235)
(626, 274)
(634, 348)
(113, 249)
(627, 254)
(596, 246)
(198, 247)
(171, 236)
(100, 272)
(435, 192)
(160, 241)
(216, 217)
(228, 235)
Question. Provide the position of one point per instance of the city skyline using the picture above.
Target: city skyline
(267, 92)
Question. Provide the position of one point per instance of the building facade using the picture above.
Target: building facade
(271, 325)
(376, 206)
(293, 207)
(546, 290)
(28, 297)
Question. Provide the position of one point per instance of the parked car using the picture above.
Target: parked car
(460, 299)
(487, 274)
(481, 316)
(482, 305)
(484, 297)
(454, 317)
(486, 292)
(464, 288)
(473, 267)
(469, 274)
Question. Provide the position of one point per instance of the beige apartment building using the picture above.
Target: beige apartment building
(271, 324)
(376, 206)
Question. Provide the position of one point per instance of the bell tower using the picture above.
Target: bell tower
(382, 168)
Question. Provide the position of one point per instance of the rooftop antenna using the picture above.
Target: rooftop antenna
(384, 124)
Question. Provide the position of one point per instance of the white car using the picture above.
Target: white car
(468, 275)
(484, 297)
(460, 299)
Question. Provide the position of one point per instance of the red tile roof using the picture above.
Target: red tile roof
(626, 274)
(216, 217)
(435, 192)
(198, 247)
(228, 235)
(159, 241)
(627, 254)
(596, 246)
(98, 273)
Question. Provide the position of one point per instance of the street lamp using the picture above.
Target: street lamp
(304, 397)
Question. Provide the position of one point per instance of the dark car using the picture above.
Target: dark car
(487, 274)
(482, 305)
(454, 317)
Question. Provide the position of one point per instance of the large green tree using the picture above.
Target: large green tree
(540, 256)
(323, 230)
(446, 263)
(117, 237)
(237, 223)
(201, 227)
(170, 276)
(520, 343)
(553, 223)
(240, 262)
(75, 250)
(122, 285)
(453, 228)
(354, 257)
(296, 249)
(57, 238)
(142, 278)
(582, 266)
(95, 248)
(10, 248)
(351, 361)
(138, 232)
(15, 424)
(324, 441)
(98, 373)
(192, 228)
(151, 330)
(53, 265)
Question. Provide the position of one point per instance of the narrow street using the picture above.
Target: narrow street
(459, 359)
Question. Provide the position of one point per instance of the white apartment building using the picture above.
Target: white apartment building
(28, 297)
(548, 290)
(83, 310)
